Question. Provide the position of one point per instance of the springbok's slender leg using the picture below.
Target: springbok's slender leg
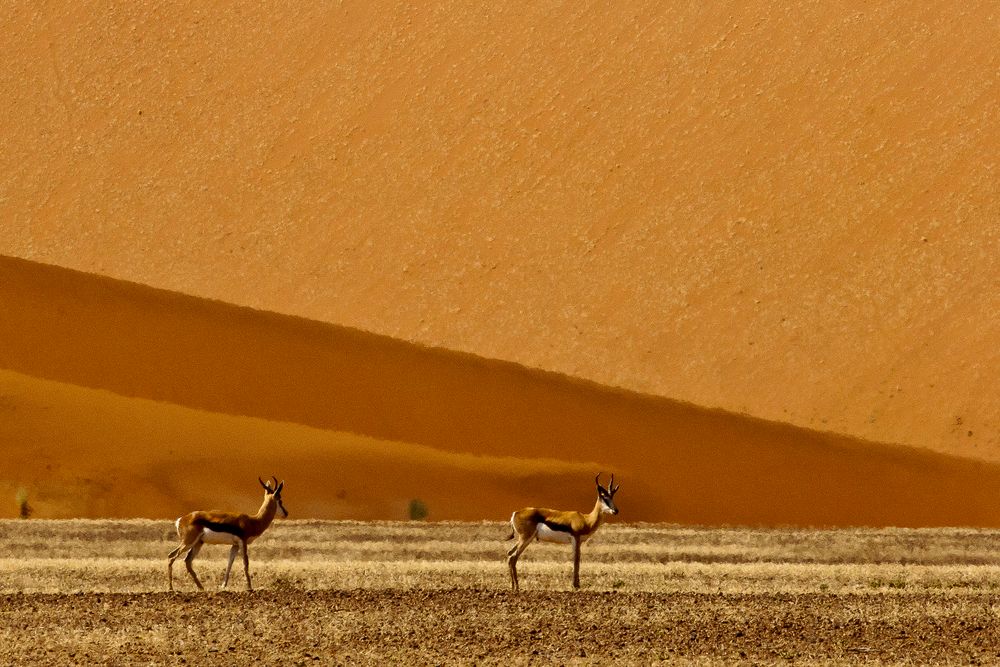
(246, 564)
(513, 554)
(175, 554)
(195, 548)
(171, 557)
(232, 557)
(576, 563)
(512, 567)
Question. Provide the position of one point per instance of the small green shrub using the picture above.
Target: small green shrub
(21, 498)
(418, 510)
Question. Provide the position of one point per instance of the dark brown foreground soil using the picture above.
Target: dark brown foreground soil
(466, 626)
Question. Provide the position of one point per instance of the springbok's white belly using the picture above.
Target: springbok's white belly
(546, 534)
(214, 537)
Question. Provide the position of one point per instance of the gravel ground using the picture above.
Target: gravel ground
(465, 626)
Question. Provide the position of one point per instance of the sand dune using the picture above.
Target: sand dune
(84, 452)
(142, 402)
(790, 212)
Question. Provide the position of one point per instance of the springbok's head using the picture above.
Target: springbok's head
(607, 496)
(274, 491)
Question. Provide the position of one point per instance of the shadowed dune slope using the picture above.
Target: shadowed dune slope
(676, 461)
(790, 210)
(83, 452)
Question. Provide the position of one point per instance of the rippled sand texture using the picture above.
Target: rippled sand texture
(790, 212)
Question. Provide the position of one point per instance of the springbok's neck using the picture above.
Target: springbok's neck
(265, 515)
(595, 516)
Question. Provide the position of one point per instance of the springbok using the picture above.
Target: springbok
(215, 527)
(557, 526)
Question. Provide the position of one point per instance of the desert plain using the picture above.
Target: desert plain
(348, 592)
(463, 258)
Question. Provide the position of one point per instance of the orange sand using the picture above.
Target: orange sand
(789, 211)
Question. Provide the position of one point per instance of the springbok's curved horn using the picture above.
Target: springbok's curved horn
(611, 484)
(264, 484)
(597, 480)
(275, 481)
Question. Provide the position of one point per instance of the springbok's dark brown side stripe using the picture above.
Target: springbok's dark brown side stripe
(219, 527)
(556, 526)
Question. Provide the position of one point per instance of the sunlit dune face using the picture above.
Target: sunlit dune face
(787, 214)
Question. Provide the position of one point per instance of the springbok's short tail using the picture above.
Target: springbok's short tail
(511, 536)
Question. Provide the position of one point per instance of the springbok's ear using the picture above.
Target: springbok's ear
(280, 485)
(265, 485)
